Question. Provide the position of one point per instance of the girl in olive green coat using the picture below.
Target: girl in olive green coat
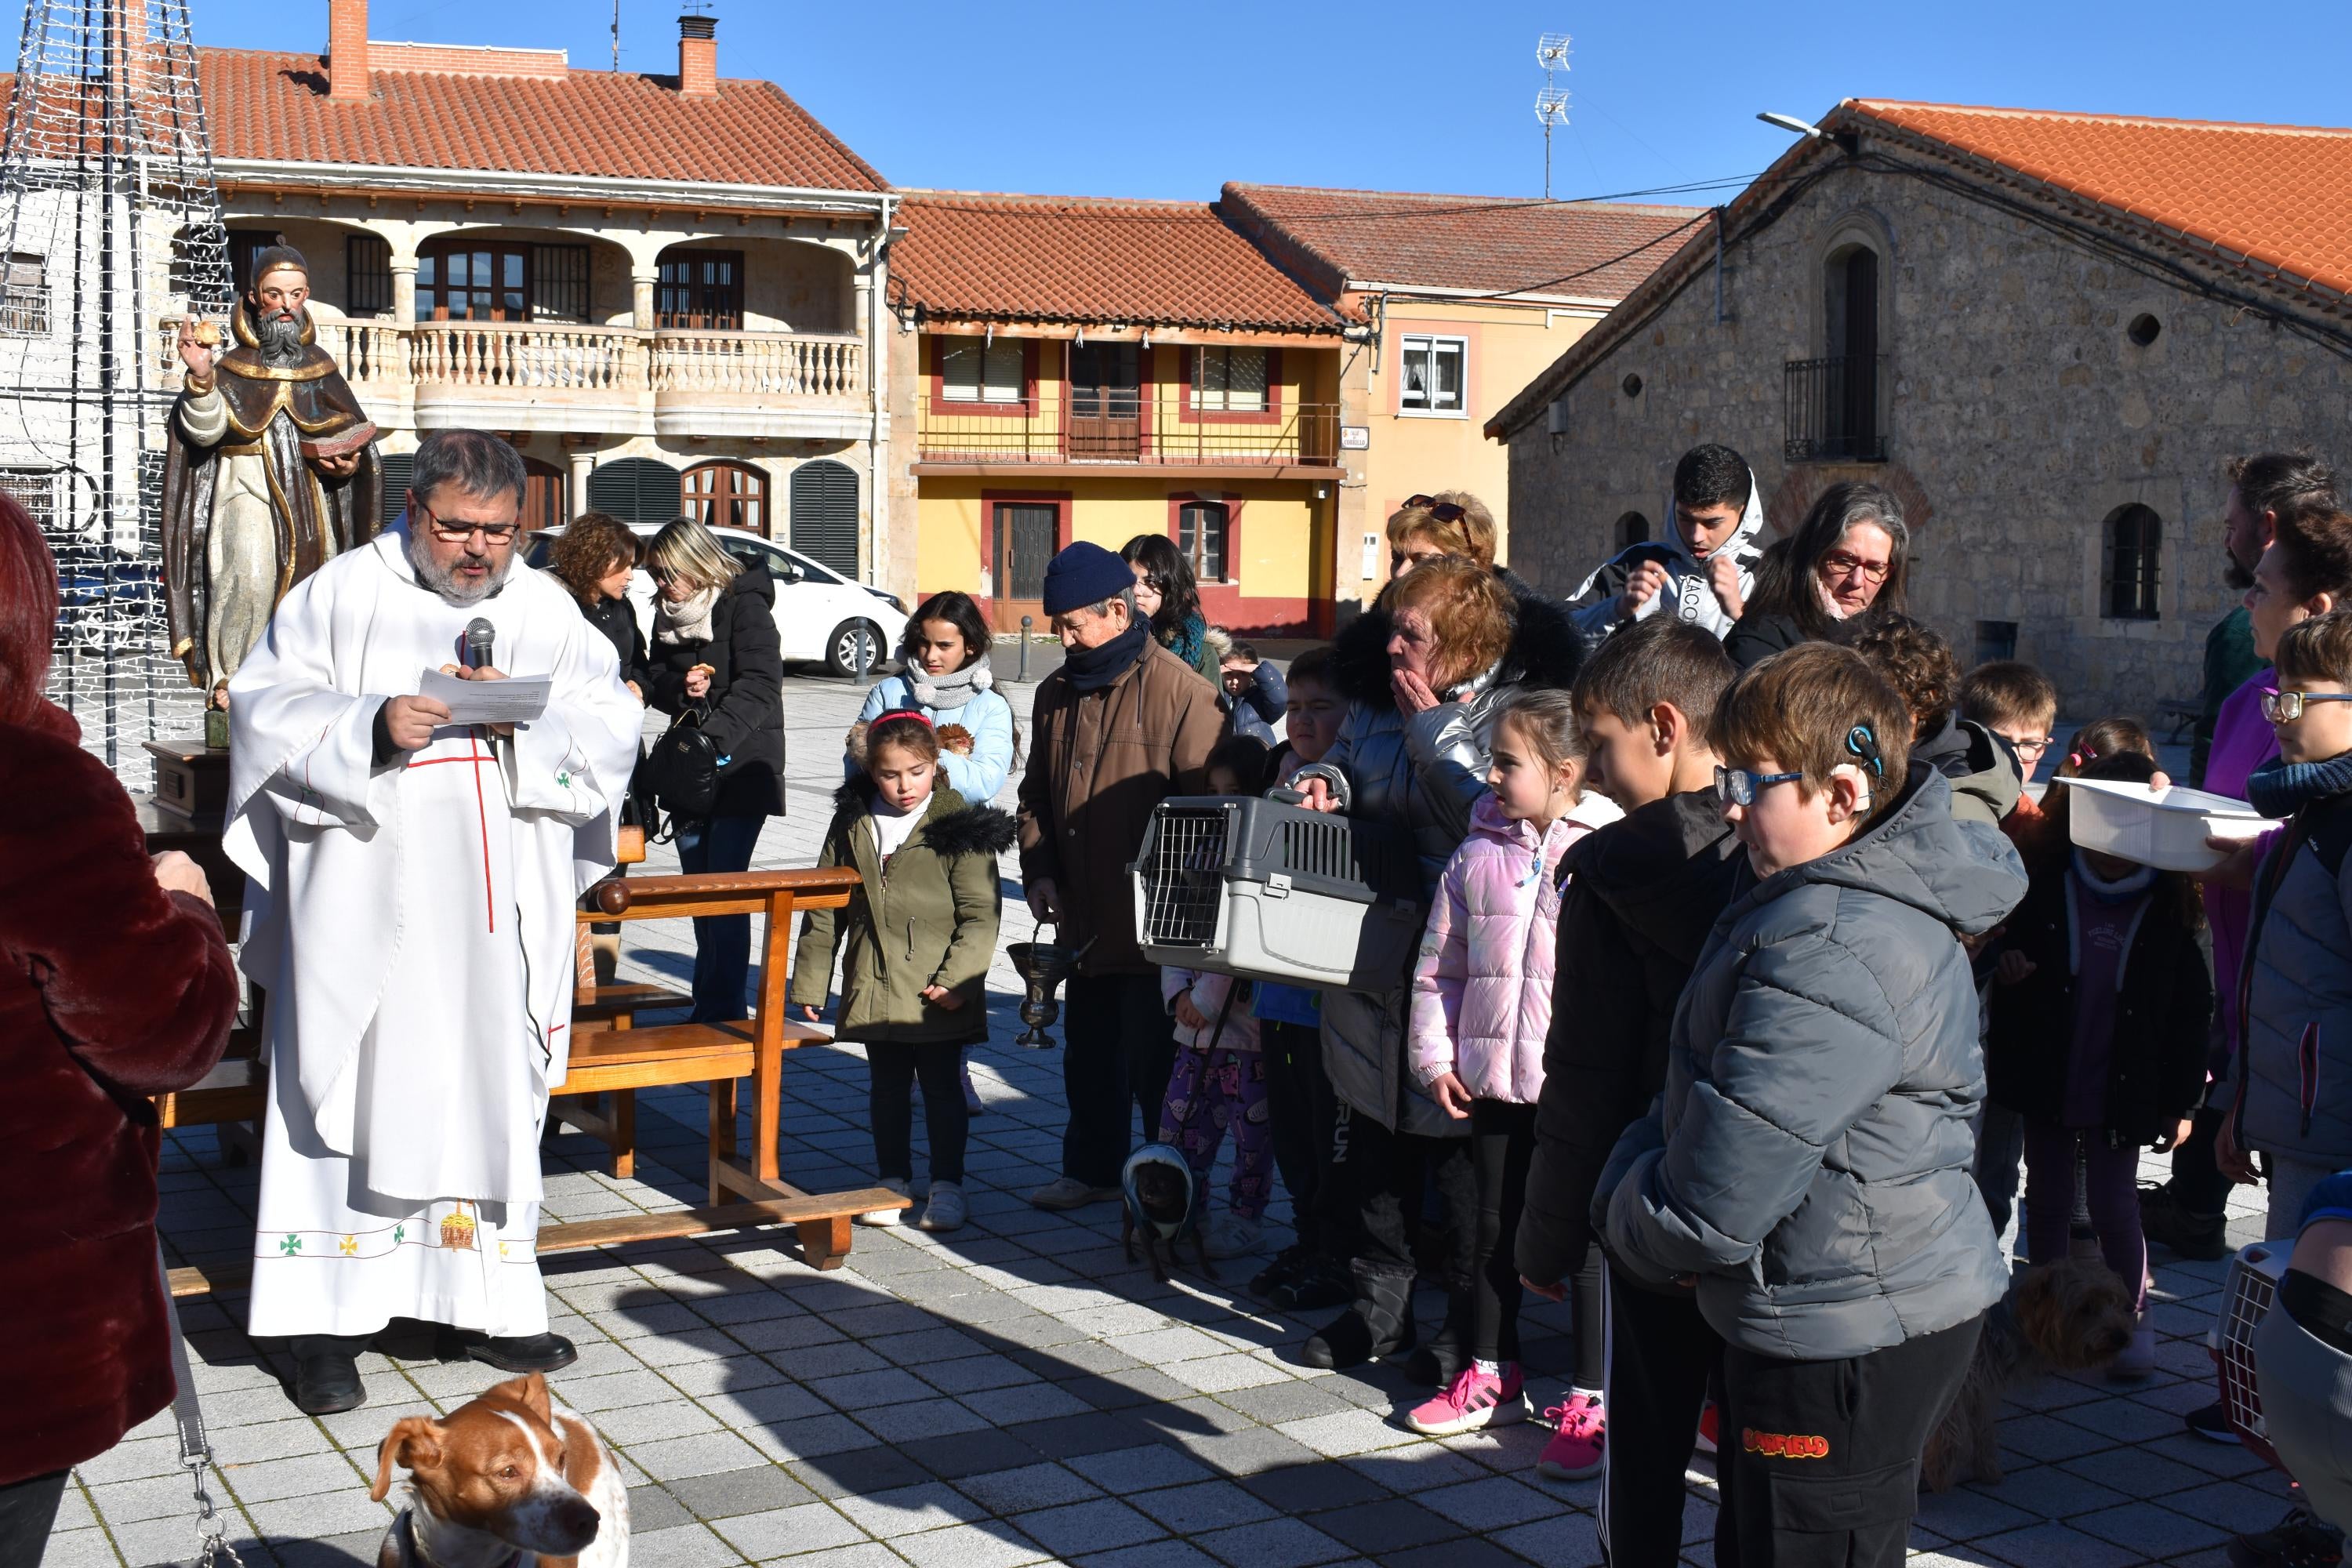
(919, 931)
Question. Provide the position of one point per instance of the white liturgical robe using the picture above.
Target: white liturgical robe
(413, 924)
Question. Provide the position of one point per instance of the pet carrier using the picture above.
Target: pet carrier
(1270, 891)
(2253, 1286)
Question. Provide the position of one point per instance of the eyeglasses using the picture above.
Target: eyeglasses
(1738, 786)
(2025, 746)
(2286, 707)
(1838, 564)
(457, 531)
(1442, 511)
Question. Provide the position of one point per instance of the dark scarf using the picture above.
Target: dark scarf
(1185, 638)
(1092, 669)
(2280, 788)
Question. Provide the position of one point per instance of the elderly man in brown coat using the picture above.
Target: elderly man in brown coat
(1120, 727)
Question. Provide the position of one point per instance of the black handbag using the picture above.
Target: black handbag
(681, 772)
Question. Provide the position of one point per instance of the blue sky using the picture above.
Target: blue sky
(1124, 98)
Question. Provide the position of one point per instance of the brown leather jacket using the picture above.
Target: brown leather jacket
(1099, 763)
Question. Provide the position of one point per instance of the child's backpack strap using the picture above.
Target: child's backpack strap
(2330, 833)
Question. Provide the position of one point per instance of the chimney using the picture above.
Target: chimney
(347, 51)
(698, 57)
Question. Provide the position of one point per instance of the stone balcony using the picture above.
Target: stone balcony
(619, 380)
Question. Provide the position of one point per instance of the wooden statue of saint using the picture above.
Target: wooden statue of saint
(270, 472)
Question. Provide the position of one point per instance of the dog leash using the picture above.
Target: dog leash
(196, 1447)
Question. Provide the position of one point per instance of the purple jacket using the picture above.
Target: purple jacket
(1482, 985)
(2242, 741)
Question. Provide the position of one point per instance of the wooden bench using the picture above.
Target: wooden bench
(619, 1059)
(2179, 716)
(609, 1115)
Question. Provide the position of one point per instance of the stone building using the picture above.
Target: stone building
(2045, 333)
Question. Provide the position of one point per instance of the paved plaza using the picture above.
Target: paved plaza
(1016, 1391)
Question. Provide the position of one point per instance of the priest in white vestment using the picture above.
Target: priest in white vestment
(413, 886)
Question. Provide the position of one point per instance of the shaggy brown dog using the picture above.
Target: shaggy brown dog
(2071, 1315)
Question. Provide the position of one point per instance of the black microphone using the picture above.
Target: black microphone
(480, 635)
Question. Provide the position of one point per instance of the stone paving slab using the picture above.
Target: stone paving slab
(1015, 1392)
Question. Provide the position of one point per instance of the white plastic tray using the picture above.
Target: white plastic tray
(2164, 828)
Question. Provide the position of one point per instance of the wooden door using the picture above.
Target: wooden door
(1025, 540)
(1106, 403)
(546, 495)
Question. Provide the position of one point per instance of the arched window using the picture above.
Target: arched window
(2135, 539)
(1832, 402)
(728, 495)
(824, 514)
(1633, 529)
(635, 489)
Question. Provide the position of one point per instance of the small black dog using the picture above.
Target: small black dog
(1162, 1206)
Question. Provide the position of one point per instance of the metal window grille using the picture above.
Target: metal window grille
(558, 283)
(2135, 550)
(1184, 882)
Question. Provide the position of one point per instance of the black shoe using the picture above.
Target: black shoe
(1378, 1323)
(1445, 1353)
(537, 1353)
(2201, 1237)
(327, 1383)
(2212, 1422)
(1278, 1273)
(2298, 1541)
(1320, 1283)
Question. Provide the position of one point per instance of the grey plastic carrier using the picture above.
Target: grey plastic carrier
(1269, 891)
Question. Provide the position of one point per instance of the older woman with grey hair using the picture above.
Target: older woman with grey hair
(715, 651)
(1850, 557)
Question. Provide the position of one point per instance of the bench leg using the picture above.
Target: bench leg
(824, 1242)
(722, 1116)
(624, 1122)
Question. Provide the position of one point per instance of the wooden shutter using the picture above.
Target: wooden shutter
(395, 468)
(824, 514)
(635, 489)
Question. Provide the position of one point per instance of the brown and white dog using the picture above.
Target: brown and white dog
(509, 1480)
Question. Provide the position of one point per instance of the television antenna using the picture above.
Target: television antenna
(1552, 103)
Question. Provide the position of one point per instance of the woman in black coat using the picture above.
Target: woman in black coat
(1850, 557)
(594, 559)
(715, 650)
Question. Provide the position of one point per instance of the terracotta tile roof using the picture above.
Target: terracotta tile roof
(1591, 250)
(2279, 196)
(1084, 258)
(264, 105)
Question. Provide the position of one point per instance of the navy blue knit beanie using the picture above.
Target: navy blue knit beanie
(1083, 574)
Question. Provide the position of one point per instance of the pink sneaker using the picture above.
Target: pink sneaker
(1574, 1452)
(1474, 1399)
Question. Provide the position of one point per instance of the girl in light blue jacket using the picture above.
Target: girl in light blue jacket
(947, 679)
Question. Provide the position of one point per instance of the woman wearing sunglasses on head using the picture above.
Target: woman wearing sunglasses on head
(1807, 1169)
(715, 650)
(1847, 559)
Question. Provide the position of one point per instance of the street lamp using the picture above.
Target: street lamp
(1791, 123)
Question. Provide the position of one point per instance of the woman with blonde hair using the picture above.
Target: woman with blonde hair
(1451, 522)
(715, 650)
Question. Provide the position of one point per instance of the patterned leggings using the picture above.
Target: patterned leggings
(1230, 1089)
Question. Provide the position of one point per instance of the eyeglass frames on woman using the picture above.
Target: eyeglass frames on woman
(1738, 786)
(2286, 707)
(457, 531)
(1839, 564)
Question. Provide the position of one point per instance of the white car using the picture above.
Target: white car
(821, 616)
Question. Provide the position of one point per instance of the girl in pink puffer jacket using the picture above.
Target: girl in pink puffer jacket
(1481, 1006)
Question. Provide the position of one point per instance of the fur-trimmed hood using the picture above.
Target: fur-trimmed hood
(1547, 649)
(950, 826)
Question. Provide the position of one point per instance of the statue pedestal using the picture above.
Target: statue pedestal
(191, 782)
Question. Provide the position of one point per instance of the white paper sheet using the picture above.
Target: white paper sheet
(509, 701)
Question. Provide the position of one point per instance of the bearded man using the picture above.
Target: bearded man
(271, 476)
(412, 891)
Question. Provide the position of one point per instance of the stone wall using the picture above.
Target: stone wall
(2021, 414)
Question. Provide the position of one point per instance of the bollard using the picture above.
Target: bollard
(1023, 677)
(864, 656)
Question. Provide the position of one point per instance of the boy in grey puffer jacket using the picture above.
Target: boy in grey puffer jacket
(1807, 1170)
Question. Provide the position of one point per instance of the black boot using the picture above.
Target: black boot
(2202, 1236)
(327, 1373)
(1378, 1323)
(1440, 1360)
(1320, 1281)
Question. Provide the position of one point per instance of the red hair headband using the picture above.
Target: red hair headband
(903, 713)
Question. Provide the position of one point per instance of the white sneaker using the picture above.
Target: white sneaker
(945, 1210)
(1069, 1193)
(886, 1216)
(1232, 1236)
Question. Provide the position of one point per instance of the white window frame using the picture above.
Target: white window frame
(1002, 365)
(24, 295)
(1429, 345)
